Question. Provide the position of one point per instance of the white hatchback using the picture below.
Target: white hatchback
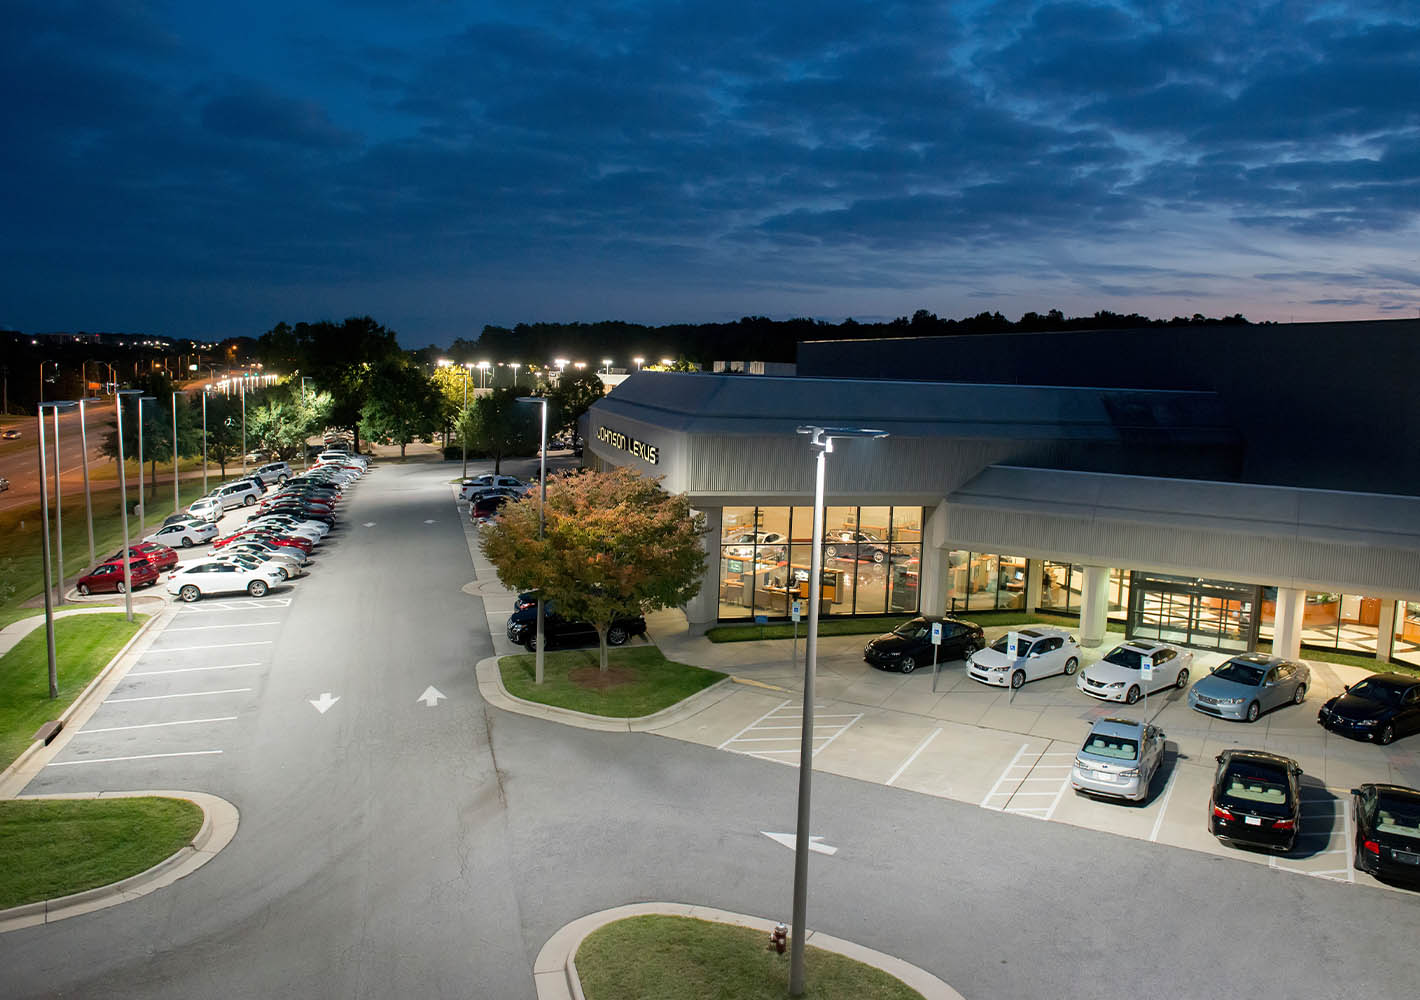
(184, 534)
(1120, 675)
(196, 580)
(1040, 651)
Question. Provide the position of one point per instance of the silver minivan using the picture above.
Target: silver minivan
(239, 494)
(1118, 760)
(273, 472)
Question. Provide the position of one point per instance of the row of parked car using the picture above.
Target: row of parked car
(487, 494)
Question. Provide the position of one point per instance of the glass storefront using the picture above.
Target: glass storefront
(1349, 623)
(1210, 614)
(985, 581)
(1060, 585)
(871, 560)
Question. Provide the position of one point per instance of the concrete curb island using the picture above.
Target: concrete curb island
(555, 971)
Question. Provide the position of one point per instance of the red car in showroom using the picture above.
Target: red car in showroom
(107, 577)
(161, 556)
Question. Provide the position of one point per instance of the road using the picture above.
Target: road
(19, 459)
(388, 848)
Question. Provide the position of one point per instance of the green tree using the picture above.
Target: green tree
(496, 424)
(280, 426)
(573, 395)
(615, 544)
(452, 383)
(401, 405)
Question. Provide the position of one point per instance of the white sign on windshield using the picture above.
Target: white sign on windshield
(1013, 642)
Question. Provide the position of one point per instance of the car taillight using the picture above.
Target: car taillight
(1373, 847)
(1284, 824)
(1222, 813)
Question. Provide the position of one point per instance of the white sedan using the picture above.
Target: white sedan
(1119, 676)
(193, 581)
(184, 534)
(1039, 652)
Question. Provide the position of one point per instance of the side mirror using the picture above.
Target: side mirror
(1296, 772)
(1219, 758)
(1355, 791)
(1346, 687)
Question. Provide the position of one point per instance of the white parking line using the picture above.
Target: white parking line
(752, 725)
(824, 734)
(1346, 844)
(996, 788)
(156, 725)
(189, 694)
(920, 747)
(189, 670)
(220, 645)
(204, 628)
(252, 604)
(1164, 802)
(141, 756)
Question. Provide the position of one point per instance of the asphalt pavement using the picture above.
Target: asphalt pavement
(391, 847)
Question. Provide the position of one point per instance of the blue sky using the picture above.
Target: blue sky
(207, 170)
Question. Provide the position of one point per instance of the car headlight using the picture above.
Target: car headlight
(1115, 686)
(1368, 723)
(1230, 701)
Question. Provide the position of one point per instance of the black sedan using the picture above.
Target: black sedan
(1256, 800)
(1380, 708)
(1388, 832)
(522, 629)
(909, 646)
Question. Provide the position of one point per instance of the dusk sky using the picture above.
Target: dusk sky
(207, 170)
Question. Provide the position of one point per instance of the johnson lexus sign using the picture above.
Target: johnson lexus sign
(648, 453)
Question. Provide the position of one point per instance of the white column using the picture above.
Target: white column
(932, 575)
(1094, 606)
(702, 610)
(1385, 630)
(1034, 572)
(1287, 624)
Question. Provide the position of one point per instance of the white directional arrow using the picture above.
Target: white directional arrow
(430, 522)
(431, 696)
(369, 524)
(790, 841)
(323, 704)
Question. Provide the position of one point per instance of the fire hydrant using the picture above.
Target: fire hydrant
(779, 938)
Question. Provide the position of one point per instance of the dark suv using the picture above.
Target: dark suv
(522, 629)
(909, 646)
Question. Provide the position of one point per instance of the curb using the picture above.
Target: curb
(555, 970)
(490, 686)
(219, 825)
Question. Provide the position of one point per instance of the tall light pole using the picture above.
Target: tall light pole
(463, 440)
(606, 363)
(88, 497)
(304, 457)
(58, 495)
(515, 365)
(541, 523)
(821, 441)
(142, 498)
(176, 394)
(44, 550)
(204, 440)
(244, 424)
(123, 495)
(482, 367)
(41, 376)
(639, 362)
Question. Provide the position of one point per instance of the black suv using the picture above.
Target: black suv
(522, 629)
(909, 646)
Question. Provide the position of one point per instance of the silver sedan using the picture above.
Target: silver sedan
(1245, 686)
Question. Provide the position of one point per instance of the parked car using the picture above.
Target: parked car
(522, 629)
(183, 517)
(197, 580)
(1256, 800)
(909, 646)
(265, 535)
(107, 577)
(1381, 708)
(488, 492)
(1388, 831)
(1119, 759)
(1118, 676)
(184, 533)
(267, 552)
(208, 508)
(1247, 685)
(740, 545)
(4, 484)
(1040, 652)
(859, 545)
(162, 557)
(474, 484)
(247, 560)
(273, 472)
(240, 493)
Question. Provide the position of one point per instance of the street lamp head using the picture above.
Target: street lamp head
(483, 366)
(443, 362)
(823, 437)
(58, 404)
(533, 399)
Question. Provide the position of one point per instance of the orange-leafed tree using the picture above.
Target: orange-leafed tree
(615, 544)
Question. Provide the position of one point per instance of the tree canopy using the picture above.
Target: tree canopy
(573, 395)
(401, 404)
(498, 425)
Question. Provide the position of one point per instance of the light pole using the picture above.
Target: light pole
(41, 376)
(44, 546)
(58, 496)
(639, 362)
(606, 363)
(204, 439)
(123, 494)
(142, 499)
(821, 441)
(541, 522)
(463, 439)
(88, 497)
(304, 441)
(243, 390)
(515, 365)
(482, 367)
(176, 394)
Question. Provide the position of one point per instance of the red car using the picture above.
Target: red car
(162, 557)
(265, 535)
(107, 577)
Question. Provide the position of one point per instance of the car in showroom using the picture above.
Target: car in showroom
(1040, 651)
(860, 545)
(1119, 674)
(162, 557)
(197, 580)
(184, 534)
(1256, 800)
(107, 577)
(1382, 708)
(1118, 759)
(1388, 832)
(560, 632)
(909, 646)
(1245, 686)
(740, 545)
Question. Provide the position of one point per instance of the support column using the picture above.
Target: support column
(1035, 571)
(1385, 630)
(1287, 623)
(703, 610)
(932, 579)
(1094, 606)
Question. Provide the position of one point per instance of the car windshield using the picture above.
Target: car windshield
(1398, 815)
(1255, 788)
(1121, 656)
(1240, 673)
(917, 628)
(1374, 690)
(1022, 647)
(1111, 746)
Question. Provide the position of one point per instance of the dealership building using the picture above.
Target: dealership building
(1224, 487)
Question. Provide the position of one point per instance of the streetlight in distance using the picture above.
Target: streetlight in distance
(541, 525)
(515, 365)
(483, 367)
(606, 363)
(668, 361)
(639, 362)
(821, 442)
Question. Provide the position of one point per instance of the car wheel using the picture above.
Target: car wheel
(616, 636)
(1018, 678)
(248, 500)
(1071, 665)
(188, 594)
(281, 480)
(1387, 735)
(186, 542)
(120, 587)
(285, 575)
(83, 589)
(908, 665)
(830, 551)
(1181, 681)
(1301, 694)
(532, 642)
(1133, 696)
(1253, 711)
(878, 555)
(257, 588)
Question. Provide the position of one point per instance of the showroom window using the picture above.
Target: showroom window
(1060, 585)
(1350, 623)
(984, 581)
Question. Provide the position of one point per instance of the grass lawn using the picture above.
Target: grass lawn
(639, 680)
(83, 644)
(51, 848)
(679, 958)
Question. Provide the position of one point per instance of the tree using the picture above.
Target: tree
(576, 391)
(280, 427)
(224, 431)
(497, 425)
(615, 544)
(451, 382)
(402, 405)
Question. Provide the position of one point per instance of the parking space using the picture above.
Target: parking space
(776, 735)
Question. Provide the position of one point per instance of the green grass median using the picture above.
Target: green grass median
(680, 958)
(83, 644)
(54, 847)
(638, 680)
